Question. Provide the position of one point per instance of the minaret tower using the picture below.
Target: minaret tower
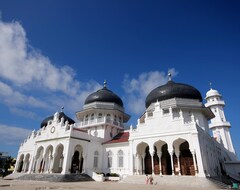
(219, 125)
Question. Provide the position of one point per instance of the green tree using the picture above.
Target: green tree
(8, 163)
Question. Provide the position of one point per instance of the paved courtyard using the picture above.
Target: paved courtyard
(39, 185)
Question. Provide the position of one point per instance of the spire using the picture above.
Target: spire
(210, 85)
(169, 76)
(62, 108)
(105, 84)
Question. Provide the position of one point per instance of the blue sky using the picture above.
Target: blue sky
(54, 53)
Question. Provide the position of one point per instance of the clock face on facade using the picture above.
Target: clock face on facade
(52, 129)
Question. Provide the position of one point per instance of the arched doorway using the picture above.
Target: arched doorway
(20, 163)
(156, 162)
(186, 160)
(75, 163)
(148, 161)
(166, 161)
(48, 159)
(140, 159)
(77, 160)
(39, 163)
(26, 163)
(58, 159)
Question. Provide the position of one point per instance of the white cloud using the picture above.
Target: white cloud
(13, 97)
(12, 135)
(25, 70)
(25, 113)
(23, 65)
(138, 88)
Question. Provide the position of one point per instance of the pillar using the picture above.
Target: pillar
(160, 163)
(131, 158)
(80, 161)
(172, 164)
(143, 163)
(194, 162)
(84, 162)
(178, 162)
(137, 156)
(152, 158)
(65, 158)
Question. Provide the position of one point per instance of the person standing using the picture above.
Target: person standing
(146, 179)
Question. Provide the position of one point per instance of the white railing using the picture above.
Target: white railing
(102, 120)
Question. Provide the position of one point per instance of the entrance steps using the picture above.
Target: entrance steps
(53, 177)
(13, 176)
(179, 181)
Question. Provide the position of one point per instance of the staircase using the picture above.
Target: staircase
(180, 181)
(219, 184)
(13, 176)
(54, 177)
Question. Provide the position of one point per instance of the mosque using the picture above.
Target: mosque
(176, 135)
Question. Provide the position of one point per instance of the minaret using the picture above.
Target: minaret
(219, 125)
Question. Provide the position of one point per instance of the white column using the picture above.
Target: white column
(131, 158)
(171, 157)
(160, 163)
(143, 163)
(66, 156)
(194, 162)
(138, 157)
(84, 162)
(152, 159)
(178, 162)
(80, 161)
(49, 163)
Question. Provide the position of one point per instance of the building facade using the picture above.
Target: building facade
(172, 137)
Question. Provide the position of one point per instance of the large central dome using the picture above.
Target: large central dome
(104, 95)
(172, 90)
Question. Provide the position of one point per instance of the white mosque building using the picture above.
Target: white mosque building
(172, 137)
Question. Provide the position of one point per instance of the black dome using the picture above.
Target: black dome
(172, 90)
(61, 114)
(104, 95)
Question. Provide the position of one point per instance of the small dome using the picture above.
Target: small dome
(61, 114)
(104, 95)
(212, 92)
(172, 90)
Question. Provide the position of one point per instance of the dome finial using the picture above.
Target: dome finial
(105, 84)
(62, 108)
(210, 85)
(169, 76)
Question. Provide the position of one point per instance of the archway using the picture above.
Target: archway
(166, 161)
(186, 160)
(39, 162)
(20, 163)
(77, 160)
(156, 162)
(148, 161)
(48, 159)
(140, 158)
(26, 162)
(58, 159)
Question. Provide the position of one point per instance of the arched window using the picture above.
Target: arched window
(108, 117)
(109, 159)
(100, 115)
(120, 158)
(92, 116)
(115, 118)
(86, 118)
(120, 120)
(95, 160)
